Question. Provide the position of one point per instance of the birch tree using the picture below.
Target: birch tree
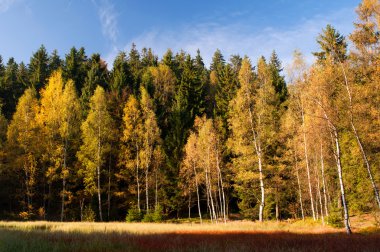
(22, 134)
(97, 134)
(251, 121)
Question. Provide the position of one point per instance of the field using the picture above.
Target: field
(233, 236)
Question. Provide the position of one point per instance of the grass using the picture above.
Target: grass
(233, 236)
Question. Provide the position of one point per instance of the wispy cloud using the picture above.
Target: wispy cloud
(108, 19)
(6, 4)
(239, 38)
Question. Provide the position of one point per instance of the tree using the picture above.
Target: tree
(278, 81)
(332, 112)
(97, 133)
(96, 76)
(38, 68)
(151, 138)
(251, 124)
(120, 74)
(135, 65)
(69, 132)
(55, 62)
(11, 88)
(203, 165)
(75, 67)
(132, 141)
(333, 45)
(22, 137)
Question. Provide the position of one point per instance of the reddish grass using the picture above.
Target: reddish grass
(205, 241)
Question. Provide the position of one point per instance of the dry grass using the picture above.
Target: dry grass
(233, 236)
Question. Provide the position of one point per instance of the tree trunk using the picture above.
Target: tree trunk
(64, 180)
(342, 191)
(98, 175)
(307, 162)
(299, 185)
(196, 184)
(319, 195)
(300, 195)
(189, 206)
(256, 140)
(223, 200)
(109, 188)
(323, 181)
(208, 181)
(147, 189)
(262, 203)
(81, 205)
(156, 190)
(137, 177)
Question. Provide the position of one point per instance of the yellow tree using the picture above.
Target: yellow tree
(69, 132)
(132, 140)
(22, 135)
(324, 91)
(151, 137)
(59, 119)
(364, 99)
(97, 134)
(203, 165)
(189, 171)
(252, 124)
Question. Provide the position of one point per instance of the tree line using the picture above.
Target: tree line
(173, 136)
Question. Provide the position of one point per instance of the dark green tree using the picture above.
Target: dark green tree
(38, 68)
(96, 76)
(135, 66)
(75, 67)
(278, 81)
(332, 44)
(55, 61)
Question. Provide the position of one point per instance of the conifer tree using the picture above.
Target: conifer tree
(38, 68)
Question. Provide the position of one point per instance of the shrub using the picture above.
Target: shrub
(133, 215)
(158, 214)
(148, 217)
(88, 214)
(25, 215)
(335, 218)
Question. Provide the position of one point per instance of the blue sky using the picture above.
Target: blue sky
(248, 27)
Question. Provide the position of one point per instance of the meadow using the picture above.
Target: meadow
(232, 236)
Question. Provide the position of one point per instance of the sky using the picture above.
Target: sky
(244, 27)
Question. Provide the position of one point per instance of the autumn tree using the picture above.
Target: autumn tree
(251, 124)
(59, 117)
(203, 165)
(97, 133)
(22, 137)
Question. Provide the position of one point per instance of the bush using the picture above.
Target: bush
(148, 217)
(158, 214)
(335, 218)
(88, 214)
(133, 215)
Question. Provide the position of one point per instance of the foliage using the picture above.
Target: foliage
(88, 214)
(134, 215)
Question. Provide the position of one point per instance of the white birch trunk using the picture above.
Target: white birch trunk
(307, 162)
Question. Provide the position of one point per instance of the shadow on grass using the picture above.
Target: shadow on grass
(44, 240)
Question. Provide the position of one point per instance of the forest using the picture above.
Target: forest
(154, 138)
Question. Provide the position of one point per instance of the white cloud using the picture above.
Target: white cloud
(238, 38)
(6, 4)
(108, 19)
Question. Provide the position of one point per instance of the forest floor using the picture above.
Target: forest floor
(233, 236)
